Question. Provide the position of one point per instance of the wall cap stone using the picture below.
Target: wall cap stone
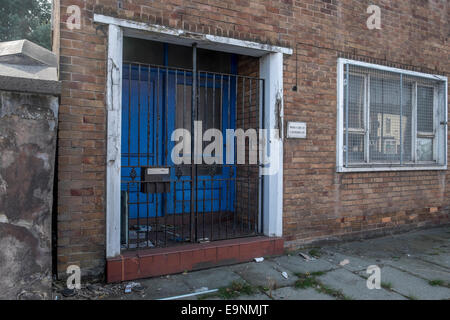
(27, 67)
(25, 52)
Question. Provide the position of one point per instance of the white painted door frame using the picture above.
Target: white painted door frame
(271, 69)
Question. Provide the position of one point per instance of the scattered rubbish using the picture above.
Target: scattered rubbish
(142, 244)
(344, 262)
(130, 286)
(68, 292)
(88, 291)
(306, 257)
(139, 289)
(259, 259)
(190, 294)
(202, 289)
(141, 228)
(203, 240)
(284, 274)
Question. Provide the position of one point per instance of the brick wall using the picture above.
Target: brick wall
(318, 202)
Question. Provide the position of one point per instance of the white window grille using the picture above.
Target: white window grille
(390, 119)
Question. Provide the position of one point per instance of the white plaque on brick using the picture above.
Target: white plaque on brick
(296, 130)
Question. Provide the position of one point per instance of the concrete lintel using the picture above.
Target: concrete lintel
(179, 36)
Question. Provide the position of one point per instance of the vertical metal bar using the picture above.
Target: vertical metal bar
(193, 116)
(212, 206)
(414, 123)
(346, 114)
(197, 104)
(158, 87)
(139, 153)
(166, 118)
(220, 208)
(164, 196)
(241, 205)
(129, 146)
(174, 213)
(156, 160)
(367, 121)
(401, 118)
(249, 150)
(129, 114)
(148, 147)
(227, 201)
(228, 191)
(258, 180)
(263, 121)
(235, 155)
(175, 127)
(128, 217)
(243, 103)
(204, 114)
(205, 108)
(182, 209)
(204, 208)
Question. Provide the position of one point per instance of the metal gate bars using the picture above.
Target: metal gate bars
(165, 203)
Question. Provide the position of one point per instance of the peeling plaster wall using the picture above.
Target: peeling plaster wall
(28, 124)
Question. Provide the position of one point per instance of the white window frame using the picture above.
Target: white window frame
(440, 130)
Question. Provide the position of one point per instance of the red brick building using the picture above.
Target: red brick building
(374, 102)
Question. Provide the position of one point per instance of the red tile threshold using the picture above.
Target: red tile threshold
(146, 263)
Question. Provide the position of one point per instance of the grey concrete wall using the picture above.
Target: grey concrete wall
(28, 124)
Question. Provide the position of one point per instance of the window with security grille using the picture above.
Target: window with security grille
(390, 119)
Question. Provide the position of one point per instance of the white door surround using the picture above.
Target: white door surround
(271, 69)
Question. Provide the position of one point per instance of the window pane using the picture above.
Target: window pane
(407, 119)
(356, 121)
(385, 117)
(356, 102)
(425, 109)
(356, 149)
(424, 149)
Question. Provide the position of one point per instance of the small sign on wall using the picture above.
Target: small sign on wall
(296, 130)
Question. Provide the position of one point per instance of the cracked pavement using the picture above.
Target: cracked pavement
(414, 265)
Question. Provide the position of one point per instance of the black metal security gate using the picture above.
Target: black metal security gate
(165, 203)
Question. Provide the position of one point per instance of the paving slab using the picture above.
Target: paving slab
(212, 278)
(259, 296)
(420, 268)
(297, 264)
(441, 259)
(355, 263)
(289, 293)
(265, 274)
(354, 286)
(163, 287)
(411, 286)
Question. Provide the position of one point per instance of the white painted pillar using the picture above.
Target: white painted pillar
(271, 69)
(114, 129)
